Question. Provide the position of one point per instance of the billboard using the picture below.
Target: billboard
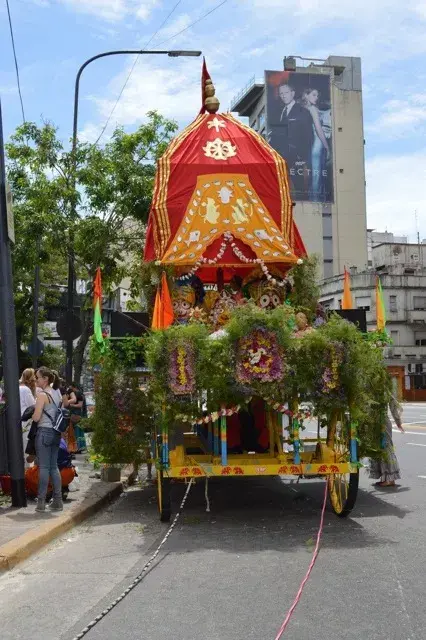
(299, 127)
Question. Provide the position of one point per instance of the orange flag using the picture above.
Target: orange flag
(380, 307)
(347, 295)
(163, 308)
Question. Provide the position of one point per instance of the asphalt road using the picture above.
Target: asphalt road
(233, 573)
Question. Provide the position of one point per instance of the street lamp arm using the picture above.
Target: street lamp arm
(173, 54)
(71, 258)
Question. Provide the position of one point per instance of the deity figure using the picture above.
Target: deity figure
(302, 325)
(266, 295)
(183, 298)
(221, 307)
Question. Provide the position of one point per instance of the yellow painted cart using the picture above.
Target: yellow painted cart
(205, 456)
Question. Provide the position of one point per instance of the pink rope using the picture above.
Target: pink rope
(308, 573)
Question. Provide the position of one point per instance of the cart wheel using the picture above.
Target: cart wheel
(342, 487)
(343, 490)
(164, 501)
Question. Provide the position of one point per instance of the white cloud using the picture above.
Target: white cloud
(181, 22)
(395, 190)
(174, 89)
(400, 117)
(256, 52)
(114, 10)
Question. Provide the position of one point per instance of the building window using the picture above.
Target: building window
(364, 302)
(420, 338)
(419, 303)
(261, 119)
(419, 368)
(328, 304)
(392, 304)
(420, 381)
(395, 337)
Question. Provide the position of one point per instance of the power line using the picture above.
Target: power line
(158, 44)
(16, 60)
(132, 69)
(193, 23)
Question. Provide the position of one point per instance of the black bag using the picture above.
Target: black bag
(30, 448)
(28, 413)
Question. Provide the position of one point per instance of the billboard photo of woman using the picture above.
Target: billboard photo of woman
(320, 151)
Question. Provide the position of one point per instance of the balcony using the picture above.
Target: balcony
(243, 102)
(405, 354)
(417, 317)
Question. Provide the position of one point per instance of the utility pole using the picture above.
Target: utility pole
(36, 296)
(9, 347)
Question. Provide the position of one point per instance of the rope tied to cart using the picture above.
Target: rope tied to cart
(141, 575)
(308, 573)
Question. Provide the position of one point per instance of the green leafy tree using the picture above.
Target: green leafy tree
(113, 193)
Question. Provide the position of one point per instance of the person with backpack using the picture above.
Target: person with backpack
(47, 441)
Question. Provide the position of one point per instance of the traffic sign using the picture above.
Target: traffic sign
(69, 326)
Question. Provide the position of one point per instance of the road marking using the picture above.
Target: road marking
(410, 433)
(424, 477)
(408, 424)
(416, 444)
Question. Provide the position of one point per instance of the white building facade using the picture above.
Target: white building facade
(402, 271)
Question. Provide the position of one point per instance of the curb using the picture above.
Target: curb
(17, 550)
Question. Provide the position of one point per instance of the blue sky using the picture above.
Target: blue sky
(240, 39)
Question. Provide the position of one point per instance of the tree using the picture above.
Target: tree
(113, 196)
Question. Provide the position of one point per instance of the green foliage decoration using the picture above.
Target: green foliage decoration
(124, 413)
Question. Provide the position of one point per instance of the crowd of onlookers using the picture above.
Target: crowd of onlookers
(48, 451)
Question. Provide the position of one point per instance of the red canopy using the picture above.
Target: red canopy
(221, 195)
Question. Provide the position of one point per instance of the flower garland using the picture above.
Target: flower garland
(301, 414)
(259, 358)
(330, 376)
(229, 239)
(212, 417)
(181, 371)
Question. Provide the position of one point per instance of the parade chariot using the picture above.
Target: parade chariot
(241, 356)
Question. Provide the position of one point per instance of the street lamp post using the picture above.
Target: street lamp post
(10, 348)
(71, 276)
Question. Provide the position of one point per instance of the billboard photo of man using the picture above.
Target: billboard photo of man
(299, 128)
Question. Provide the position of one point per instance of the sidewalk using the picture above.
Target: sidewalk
(23, 531)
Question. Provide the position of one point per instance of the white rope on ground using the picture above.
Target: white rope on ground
(206, 493)
(138, 578)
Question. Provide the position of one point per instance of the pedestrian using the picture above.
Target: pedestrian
(56, 392)
(386, 470)
(27, 397)
(76, 406)
(47, 441)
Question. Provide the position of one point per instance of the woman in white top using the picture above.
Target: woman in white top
(27, 387)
